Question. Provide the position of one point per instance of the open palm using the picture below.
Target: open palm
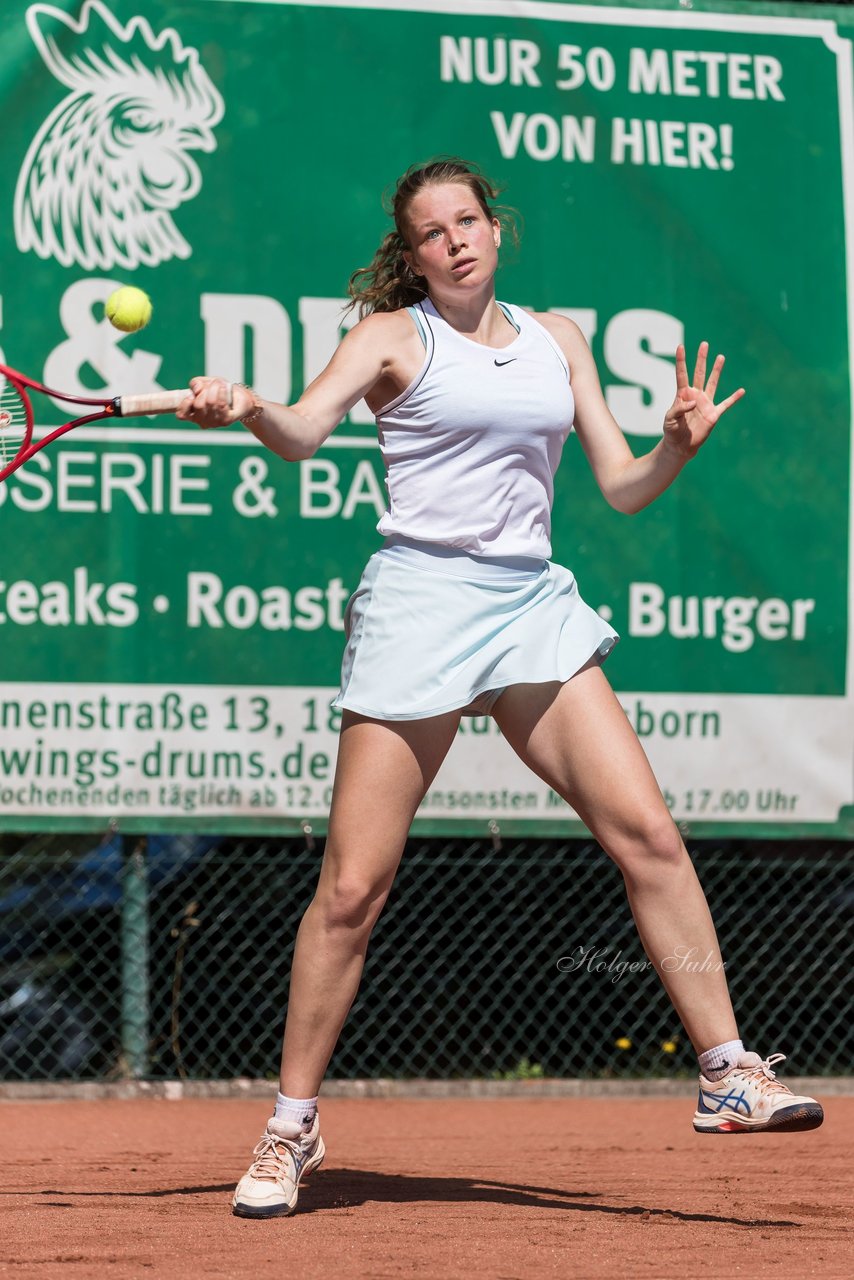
(689, 421)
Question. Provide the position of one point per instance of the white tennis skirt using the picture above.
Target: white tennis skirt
(432, 629)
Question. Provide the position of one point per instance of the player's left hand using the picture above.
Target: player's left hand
(689, 421)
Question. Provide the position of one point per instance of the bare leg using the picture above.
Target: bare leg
(577, 738)
(382, 774)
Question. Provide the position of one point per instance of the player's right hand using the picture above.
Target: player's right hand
(215, 403)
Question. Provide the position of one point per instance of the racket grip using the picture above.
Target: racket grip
(154, 402)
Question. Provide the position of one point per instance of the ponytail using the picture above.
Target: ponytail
(389, 283)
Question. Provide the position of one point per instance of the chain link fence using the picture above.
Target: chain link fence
(169, 957)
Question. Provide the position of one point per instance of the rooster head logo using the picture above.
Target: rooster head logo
(112, 161)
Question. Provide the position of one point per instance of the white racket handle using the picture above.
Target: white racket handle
(154, 402)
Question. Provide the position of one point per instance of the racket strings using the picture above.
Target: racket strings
(13, 423)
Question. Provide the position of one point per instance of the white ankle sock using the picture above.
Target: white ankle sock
(716, 1062)
(296, 1110)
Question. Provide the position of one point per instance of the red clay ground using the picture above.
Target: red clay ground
(506, 1189)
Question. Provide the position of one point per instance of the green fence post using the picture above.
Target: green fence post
(134, 942)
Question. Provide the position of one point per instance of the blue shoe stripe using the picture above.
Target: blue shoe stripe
(719, 1102)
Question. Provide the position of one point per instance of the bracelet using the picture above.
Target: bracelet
(257, 407)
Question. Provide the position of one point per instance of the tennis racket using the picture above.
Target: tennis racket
(16, 415)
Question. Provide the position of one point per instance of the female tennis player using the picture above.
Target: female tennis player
(462, 611)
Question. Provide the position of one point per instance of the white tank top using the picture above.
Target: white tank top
(472, 445)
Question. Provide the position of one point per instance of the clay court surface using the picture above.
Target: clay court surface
(443, 1189)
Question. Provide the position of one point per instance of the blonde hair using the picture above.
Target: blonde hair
(389, 283)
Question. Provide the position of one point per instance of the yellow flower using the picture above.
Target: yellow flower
(623, 1043)
(669, 1046)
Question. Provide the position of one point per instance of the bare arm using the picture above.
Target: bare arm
(297, 431)
(629, 484)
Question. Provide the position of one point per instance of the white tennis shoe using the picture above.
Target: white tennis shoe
(284, 1158)
(750, 1099)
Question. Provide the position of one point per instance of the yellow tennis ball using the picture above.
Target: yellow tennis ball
(128, 309)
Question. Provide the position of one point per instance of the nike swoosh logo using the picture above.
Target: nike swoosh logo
(503, 362)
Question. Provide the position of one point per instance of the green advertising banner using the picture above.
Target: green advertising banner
(172, 601)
